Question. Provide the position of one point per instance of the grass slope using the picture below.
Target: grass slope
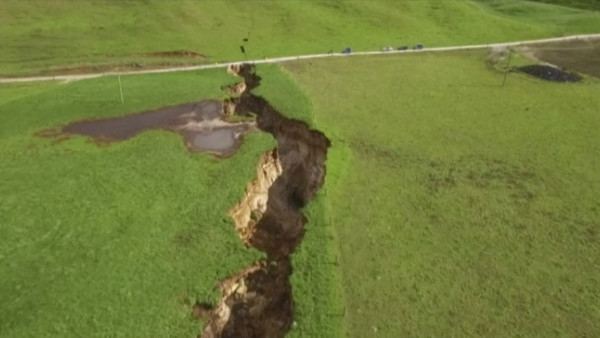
(461, 208)
(42, 36)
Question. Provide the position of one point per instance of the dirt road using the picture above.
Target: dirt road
(69, 78)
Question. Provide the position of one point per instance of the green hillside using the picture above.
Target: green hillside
(82, 36)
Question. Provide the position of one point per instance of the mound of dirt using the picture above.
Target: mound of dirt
(550, 73)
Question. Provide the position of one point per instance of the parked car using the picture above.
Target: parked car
(418, 47)
(347, 50)
(387, 49)
(403, 48)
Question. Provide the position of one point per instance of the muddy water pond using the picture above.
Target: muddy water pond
(201, 124)
(218, 140)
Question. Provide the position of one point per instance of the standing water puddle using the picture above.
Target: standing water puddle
(200, 124)
(218, 140)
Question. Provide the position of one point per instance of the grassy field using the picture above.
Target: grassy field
(80, 36)
(461, 207)
(119, 240)
(453, 206)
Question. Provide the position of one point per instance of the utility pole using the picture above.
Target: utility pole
(121, 89)
(507, 67)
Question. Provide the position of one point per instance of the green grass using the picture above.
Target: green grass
(452, 206)
(460, 208)
(101, 242)
(46, 36)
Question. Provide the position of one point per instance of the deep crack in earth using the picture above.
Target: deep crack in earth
(257, 301)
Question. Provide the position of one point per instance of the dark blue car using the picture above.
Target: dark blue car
(348, 50)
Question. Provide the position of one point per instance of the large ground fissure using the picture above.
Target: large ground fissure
(257, 301)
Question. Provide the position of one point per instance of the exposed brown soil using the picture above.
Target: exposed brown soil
(177, 53)
(169, 59)
(253, 205)
(100, 68)
(257, 302)
(114, 67)
(201, 310)
(582, 56)
(200, 124)
(302, 153)
(550, 73)
(236, 89)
